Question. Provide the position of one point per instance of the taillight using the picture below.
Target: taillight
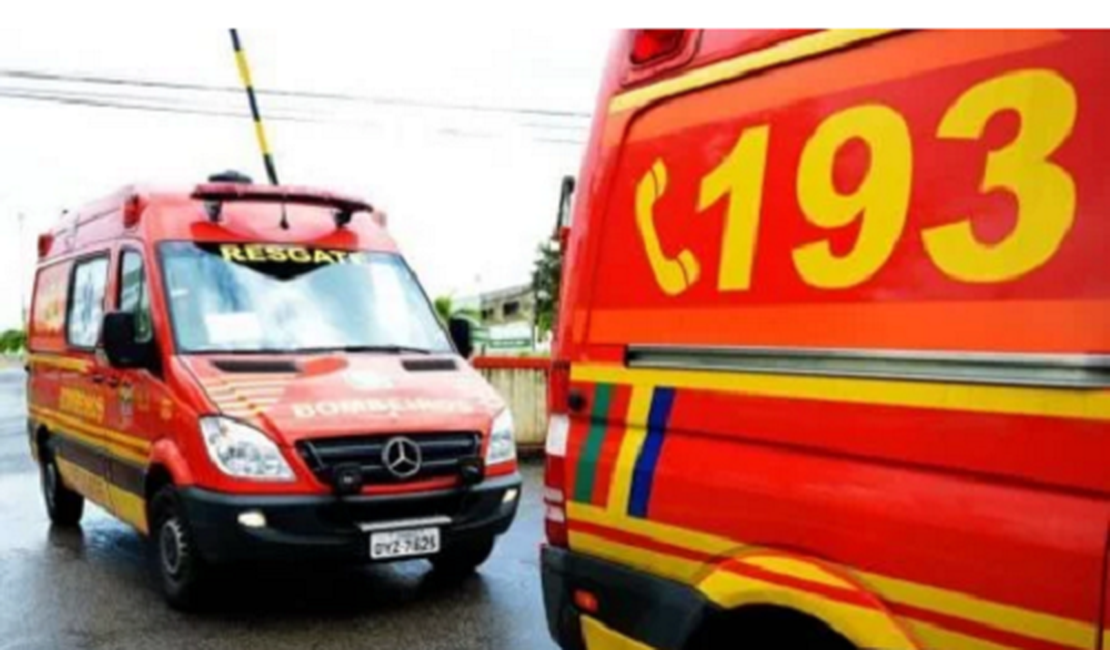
(558, 386)
(554, 492)
(655, 45)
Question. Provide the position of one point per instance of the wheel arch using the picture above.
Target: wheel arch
(166, 457)
(803, 588)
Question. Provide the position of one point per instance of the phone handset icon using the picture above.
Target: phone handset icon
(676, 274)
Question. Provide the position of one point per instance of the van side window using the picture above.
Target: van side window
(134, 296)
(86, 302)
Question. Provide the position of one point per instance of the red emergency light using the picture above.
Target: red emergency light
(133, 210)
(655, 45)
(46, 240)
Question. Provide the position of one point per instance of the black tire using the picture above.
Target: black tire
(761, 627)
(181, 571)
(63, 505)
(463, 558)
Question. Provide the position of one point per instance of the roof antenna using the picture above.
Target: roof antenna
(259, 131)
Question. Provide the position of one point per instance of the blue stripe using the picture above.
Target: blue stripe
(644, 473)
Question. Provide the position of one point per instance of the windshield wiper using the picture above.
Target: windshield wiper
(381, 349)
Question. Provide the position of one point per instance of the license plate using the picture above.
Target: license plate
(404, 543)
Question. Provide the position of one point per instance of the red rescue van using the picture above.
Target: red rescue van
(249, 373)
(832, 366)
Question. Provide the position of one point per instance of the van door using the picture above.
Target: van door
(132, 392)
(79, 442)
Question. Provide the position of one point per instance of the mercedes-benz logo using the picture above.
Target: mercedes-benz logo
(401, 456)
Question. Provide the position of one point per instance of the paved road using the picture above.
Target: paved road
(90, 589)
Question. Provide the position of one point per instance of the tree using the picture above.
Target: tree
(446, 309)
(547, 276)
(13, 341)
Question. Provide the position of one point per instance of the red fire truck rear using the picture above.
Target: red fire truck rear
(832, 354)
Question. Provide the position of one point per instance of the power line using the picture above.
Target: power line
(126, 102)
(164, 103)
(39, 75)
(75, 99)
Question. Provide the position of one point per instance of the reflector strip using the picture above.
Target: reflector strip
(741, 66)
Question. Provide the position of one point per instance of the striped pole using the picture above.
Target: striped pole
(245, 76)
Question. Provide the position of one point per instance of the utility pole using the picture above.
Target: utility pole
(22, 275)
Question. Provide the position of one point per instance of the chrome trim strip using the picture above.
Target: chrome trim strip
(1045, 370)
(401, 524)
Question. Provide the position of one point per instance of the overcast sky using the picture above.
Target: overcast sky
(470, 193)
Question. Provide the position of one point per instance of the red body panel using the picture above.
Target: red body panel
(1005, 505)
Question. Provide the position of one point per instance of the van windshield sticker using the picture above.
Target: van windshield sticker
(234, 327)
(283, 261)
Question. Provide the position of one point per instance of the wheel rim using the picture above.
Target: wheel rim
(172, 545)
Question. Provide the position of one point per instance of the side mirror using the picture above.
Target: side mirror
(462, 335)
(121, 348)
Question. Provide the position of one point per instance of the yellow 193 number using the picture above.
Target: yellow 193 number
(1046, 104)
(1045, 192)
(880, 201)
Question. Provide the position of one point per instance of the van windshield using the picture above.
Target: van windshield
(285, 298)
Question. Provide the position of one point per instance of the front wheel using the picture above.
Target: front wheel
(183, 573)
(63, 505)
(462, 558)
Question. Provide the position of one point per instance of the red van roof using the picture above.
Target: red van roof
(225, 212)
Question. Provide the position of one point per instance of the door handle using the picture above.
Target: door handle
(109, 380)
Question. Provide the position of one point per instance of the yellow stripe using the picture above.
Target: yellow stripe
(243, 412)
(128, 507)
(872, 628)
(1078, 404)
(660, 564)
(225, 386)
(1030, 623)
(244, 69)
(600, 637)
(937, 637)
(94, 429)
(84, 482)
(691, 539)
(1048, 627)
(262, 391)
(233, 400)
(865, 627)
(66, 426)
(796, 568)
(746, 64)
(55, 361)
(634, 435)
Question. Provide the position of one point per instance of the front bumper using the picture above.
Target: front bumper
(326, 527)
(645, 609)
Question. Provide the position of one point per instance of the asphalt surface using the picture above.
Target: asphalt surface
(91, 588)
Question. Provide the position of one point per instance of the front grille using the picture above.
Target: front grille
(441, 454)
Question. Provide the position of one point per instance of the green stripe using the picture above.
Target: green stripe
(587, 464)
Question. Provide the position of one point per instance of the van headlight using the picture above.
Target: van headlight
(242, 451)
(502, 443)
